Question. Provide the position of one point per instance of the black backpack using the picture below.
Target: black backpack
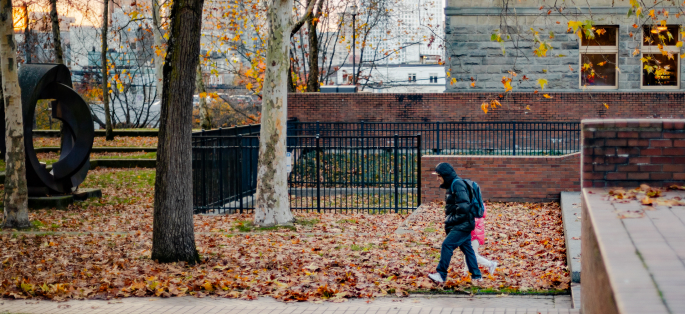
(475, 204)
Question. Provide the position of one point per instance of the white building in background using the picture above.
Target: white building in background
(404, 56)
(397, 78)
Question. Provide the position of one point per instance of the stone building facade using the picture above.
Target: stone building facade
(473, 57)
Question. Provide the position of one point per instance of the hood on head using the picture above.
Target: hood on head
(447, 173)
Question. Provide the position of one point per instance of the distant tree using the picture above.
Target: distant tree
(109, 135)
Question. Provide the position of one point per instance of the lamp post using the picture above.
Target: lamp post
(354, 54)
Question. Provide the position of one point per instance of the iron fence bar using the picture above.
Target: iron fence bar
(204, 178)
(318, 175)
(221, 170)
(396, 173)
(239, 170)
(418, 168)
(513, 139)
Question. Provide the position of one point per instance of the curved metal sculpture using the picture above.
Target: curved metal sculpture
(53, 81)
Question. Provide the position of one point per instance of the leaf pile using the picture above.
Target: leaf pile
(647, 195)
(119, 141)
(327, 256)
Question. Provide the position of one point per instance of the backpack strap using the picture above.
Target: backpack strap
(469, 188)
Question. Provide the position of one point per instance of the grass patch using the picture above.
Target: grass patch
(307, 222)
(133, 178)
(248, 226)
(150, 155)
(356, 247)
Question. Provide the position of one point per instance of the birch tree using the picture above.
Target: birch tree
(105, 73)
(16, 192)
(272, 205)
(173, 238)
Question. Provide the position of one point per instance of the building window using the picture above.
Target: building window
(433, 77)
(412, 77)
(660, 57)
(598, 58)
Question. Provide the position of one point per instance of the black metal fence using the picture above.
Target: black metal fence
(371, 167)
(463, 138)
(328, 173)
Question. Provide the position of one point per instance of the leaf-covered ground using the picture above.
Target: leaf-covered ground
(101, 249)
(119, 141)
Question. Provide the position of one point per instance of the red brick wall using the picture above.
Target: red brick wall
(629, 152)
(507, 178)
(330, 107)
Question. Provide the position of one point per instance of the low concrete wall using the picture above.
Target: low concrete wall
(507, 178)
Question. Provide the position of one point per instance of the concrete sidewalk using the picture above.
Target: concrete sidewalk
(415, 304)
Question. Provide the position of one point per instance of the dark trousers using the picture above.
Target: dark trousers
(458, 239)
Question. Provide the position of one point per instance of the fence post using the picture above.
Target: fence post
(418, 171)
(317, 128)
(437, 137)
(513, 139)
(362, 157)
(204, 174)
(221, 170)
(318, 174)
(240, 171)
(396, 171)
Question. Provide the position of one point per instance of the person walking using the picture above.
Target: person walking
(478, 239)
(459, 222)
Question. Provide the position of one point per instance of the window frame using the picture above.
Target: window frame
(650, 50)
(594, 50)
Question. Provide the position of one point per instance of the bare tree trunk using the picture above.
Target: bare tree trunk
(28, 40)
(105, 73)
(16, 192)
(159, 50)
(291, 83)
(56, 36)
(205, 119)
(173, 237)
(313, 78)
(272, 206)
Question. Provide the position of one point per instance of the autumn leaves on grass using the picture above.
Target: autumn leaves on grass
(329, 256)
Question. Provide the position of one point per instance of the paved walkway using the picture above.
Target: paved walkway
(411, 305)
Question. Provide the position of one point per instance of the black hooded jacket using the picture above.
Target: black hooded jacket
(457, 215)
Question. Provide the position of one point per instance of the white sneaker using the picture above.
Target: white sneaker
(436, 277)
(492, 267)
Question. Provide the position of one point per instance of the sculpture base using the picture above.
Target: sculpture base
(63, 201)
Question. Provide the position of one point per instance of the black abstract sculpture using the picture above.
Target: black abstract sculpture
(53, 81)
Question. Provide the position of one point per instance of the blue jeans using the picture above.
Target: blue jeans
(458, 239)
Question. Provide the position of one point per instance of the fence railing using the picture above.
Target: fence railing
(361, 166)
(328, 173)
(463, 138)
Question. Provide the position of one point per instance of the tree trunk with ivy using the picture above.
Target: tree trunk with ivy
(272, 204)
(173, 237)
(16, 192)
(109, 134)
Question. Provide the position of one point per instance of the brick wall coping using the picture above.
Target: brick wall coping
(502, 157)
(632, 124)
(628, 262)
